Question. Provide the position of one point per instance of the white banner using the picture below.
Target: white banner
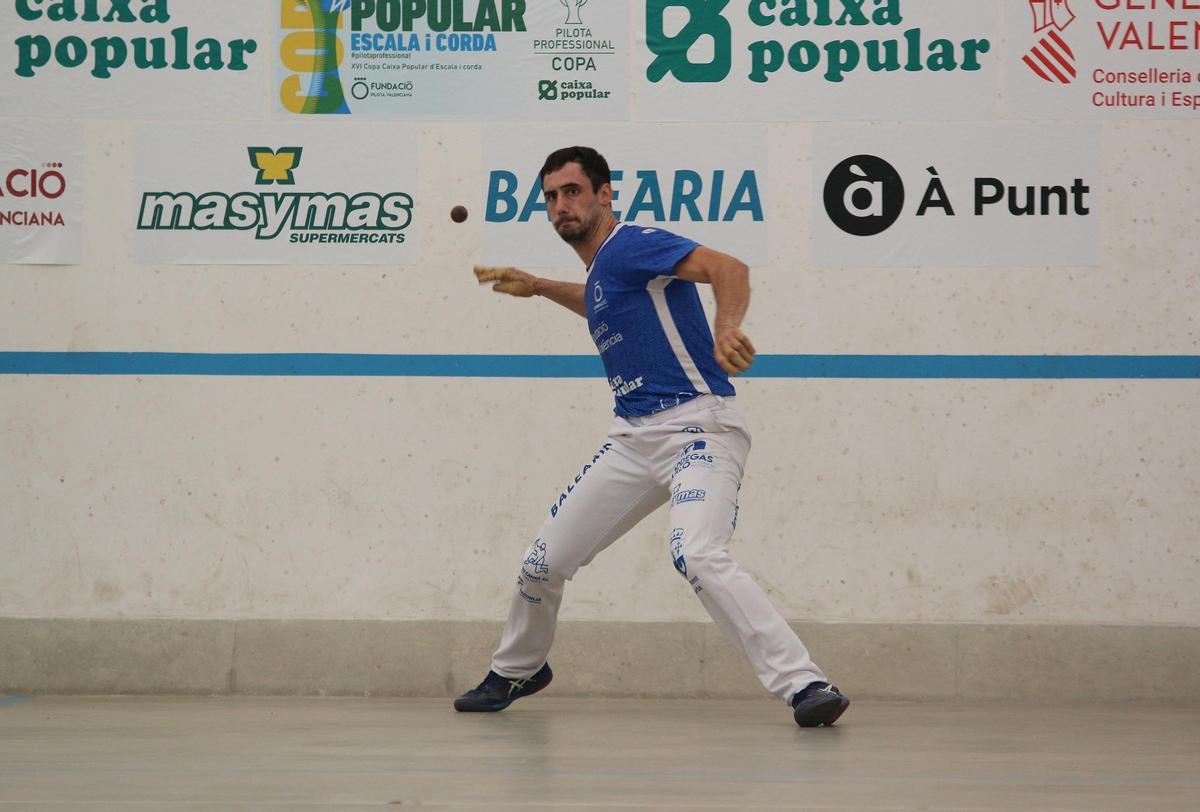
(545, 60)
(983, 194)
(772, 60)
(1112, 59)
(705, 183)
(273, 193)
(163, 59)
(41, 192)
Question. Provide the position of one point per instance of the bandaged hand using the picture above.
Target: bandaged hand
(512, 281)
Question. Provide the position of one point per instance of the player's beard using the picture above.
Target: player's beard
(575, 231)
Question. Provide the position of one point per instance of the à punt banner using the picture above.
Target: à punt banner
(965, 194)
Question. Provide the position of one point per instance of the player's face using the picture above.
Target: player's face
(575, 208)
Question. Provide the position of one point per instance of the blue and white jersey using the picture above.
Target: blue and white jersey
(650, 327)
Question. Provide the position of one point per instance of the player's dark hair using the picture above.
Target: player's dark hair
(593, 163)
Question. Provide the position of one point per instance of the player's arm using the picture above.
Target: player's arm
(730, 280)
(516, 282)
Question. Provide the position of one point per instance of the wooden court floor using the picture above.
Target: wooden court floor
(189, 753)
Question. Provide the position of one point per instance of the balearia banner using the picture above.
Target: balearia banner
(817, 60)
(133, 58)
(271, 193)
(977, 194)
(706, 183)
(41, 192)
(549, 60)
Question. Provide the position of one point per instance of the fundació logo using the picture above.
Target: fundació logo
(864, 195)
(21, 191)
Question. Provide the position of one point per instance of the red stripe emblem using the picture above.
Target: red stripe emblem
(1062, 44)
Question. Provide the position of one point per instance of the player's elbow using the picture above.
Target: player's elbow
(734, 272)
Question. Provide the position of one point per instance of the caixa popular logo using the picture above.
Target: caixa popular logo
(179, 48)
(304, 216)
(865, 195)
(649, 195)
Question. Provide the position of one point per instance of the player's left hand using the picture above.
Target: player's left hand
(733, 350)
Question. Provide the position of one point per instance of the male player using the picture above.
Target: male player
(676, 436)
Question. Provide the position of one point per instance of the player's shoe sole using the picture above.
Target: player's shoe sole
(819, 705)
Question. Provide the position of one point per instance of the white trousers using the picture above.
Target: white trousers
(693, 455)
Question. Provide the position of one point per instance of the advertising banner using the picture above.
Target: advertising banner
(985, 194)
(517, 60)
(275, 194)
(143, 59)
(706, 183)
(1113, 59)
(817, 60)
(41, 192)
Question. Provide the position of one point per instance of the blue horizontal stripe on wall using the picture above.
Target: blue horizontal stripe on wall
(588, 366)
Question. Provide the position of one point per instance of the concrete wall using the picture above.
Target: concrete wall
(965, 525)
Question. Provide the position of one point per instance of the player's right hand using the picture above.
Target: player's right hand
(733, 350)
(512, 281)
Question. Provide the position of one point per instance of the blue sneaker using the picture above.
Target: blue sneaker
(819, 704)
(496, 693)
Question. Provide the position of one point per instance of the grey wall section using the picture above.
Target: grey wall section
(928, 661)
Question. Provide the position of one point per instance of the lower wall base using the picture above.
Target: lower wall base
(443, 658)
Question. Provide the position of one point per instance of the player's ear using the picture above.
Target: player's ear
(605, 194)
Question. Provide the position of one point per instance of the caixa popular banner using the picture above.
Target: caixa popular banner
(706, 183)
(547, 60)
(41, 192)
(133, 58)
(275, 194)
(817, 60)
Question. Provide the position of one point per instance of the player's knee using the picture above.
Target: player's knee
(691, 555)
